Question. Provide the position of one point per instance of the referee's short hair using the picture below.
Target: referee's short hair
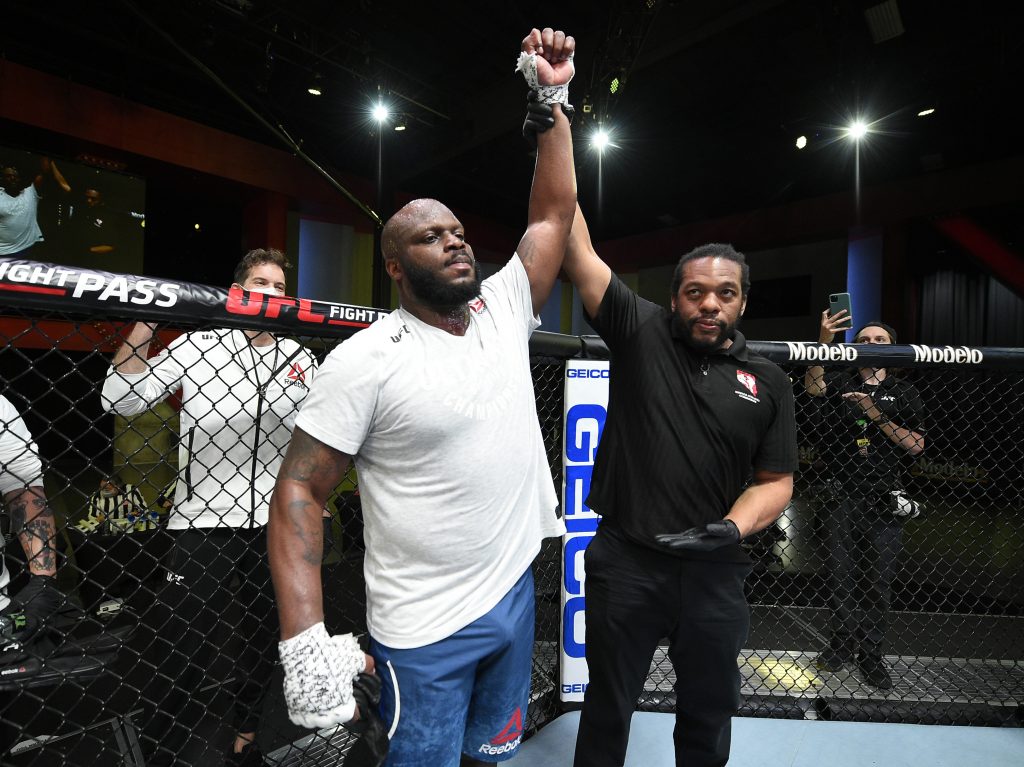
(713, 250)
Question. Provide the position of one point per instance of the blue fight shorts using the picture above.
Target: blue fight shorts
(467, 693)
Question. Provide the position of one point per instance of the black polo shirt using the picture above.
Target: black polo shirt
(857, 454)
(684, 429)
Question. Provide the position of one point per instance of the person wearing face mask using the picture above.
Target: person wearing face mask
(874, 424)
(240, 393)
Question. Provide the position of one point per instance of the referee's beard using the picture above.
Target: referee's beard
(686, 330)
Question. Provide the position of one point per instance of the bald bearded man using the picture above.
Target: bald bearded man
(435, 405)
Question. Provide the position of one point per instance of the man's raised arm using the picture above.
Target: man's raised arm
(553, 196)
(585, 269)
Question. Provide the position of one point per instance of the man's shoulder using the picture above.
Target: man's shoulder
(375, 340)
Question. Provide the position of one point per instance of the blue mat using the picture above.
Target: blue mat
(794, 743)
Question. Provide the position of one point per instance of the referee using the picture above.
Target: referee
(700, 438)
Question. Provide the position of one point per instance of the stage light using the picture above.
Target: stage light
(614, 86)
(600, 139)
(801, 142)
(857, 130)
(380, 112)
(925, 112)
(316, 88)
(197, 227)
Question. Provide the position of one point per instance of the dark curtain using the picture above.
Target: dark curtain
(969, 309)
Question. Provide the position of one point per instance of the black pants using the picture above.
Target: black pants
(863, 544)
(215, 605)
(635, 597)
(125, 565)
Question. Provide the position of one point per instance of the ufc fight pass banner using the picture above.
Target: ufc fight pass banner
(53, 287)
(586, 406)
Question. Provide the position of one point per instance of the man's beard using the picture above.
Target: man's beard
(701, 344)
(434, 292)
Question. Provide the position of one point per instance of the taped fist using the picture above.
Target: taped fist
(546, 62)
(319, 670)
(713, 535)
(371, 750)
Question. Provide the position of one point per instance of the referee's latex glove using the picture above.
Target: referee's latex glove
(319, 670)
(713, 535)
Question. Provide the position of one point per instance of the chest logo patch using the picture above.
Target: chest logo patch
(747, 380)
(478, 306)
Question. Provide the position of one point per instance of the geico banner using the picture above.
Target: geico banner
(586, 405)
(84, 291)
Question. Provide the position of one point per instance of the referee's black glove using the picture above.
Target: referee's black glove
(540, 117)
(371, 750)
(713, 535)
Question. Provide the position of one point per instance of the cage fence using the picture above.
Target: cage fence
(934, 580)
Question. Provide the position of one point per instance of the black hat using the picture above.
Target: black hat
(877, 324)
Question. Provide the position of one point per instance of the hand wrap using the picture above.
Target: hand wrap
(318, 673)
(546, 94)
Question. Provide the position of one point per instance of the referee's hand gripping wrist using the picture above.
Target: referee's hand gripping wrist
(711, 536)
(319, 671)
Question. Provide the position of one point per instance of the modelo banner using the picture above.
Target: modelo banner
(586, 407)
(56, 288)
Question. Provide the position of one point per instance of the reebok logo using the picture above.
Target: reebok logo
(297, 373)
(512, 730)
(508, 739)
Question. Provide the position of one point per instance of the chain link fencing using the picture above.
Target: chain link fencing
(119, 670)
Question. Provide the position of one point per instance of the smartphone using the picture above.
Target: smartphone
(838, 302)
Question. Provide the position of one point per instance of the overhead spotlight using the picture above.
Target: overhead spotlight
(400, 123)
(380, 112)
(197, 227)
(600, 139)
(857, 130)
(925, 112)
(801, 142)
(316, 88)
(614, 85)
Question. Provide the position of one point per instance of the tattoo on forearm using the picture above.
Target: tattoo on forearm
(311, 538)
(36, 530)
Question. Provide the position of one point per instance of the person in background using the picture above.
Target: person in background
(873, 422)
(240, 391)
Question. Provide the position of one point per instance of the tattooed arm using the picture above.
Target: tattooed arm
(310, 472)
(32, 521)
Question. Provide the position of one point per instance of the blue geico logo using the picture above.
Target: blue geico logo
(583, 426)
(586, 373)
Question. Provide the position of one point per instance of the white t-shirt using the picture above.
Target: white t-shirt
(19, 228)
(454, 482)
(19, 468)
